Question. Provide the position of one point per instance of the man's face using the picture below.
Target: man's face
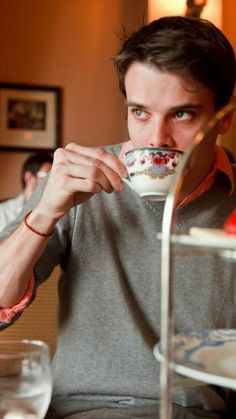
(164, 109)
(32, 181)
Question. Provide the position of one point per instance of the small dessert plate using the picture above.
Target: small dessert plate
(213, 236)
(208, 356)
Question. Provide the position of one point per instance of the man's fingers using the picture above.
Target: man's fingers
(100, 154)
(92, 167)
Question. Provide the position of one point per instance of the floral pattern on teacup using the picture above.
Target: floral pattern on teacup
(155, 164)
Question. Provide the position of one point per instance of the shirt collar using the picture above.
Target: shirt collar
(221, 164)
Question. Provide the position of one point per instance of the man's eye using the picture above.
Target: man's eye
(183, 115)
(140, 114)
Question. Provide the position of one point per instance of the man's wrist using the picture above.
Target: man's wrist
(34, 230)
(40, 223)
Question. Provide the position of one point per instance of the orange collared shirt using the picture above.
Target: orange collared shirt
(221, 163)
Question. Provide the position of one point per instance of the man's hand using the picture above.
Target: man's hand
(77, 173)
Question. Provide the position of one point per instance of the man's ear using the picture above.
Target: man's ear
(27, 177)
(226, 123)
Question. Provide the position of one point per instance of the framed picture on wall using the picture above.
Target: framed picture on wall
(30, 117)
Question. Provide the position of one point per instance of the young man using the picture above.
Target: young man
(174, 73)
(34, 169)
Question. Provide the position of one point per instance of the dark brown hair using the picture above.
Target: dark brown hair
(185, 46)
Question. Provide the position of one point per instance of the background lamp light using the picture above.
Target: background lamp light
(212, 11)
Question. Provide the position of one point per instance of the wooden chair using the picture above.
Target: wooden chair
(39, 320)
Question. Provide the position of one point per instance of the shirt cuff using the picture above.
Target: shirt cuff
(7, 314)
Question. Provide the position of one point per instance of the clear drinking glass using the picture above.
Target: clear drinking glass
(25, 379)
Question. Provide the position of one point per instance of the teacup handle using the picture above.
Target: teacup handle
(127, 181)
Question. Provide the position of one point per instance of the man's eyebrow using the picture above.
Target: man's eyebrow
(188, 105)
(135, 104)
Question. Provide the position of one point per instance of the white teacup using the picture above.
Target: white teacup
(152, 170)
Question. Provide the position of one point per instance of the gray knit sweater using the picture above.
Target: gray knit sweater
(109, 290)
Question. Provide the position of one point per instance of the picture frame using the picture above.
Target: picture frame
(30, 117)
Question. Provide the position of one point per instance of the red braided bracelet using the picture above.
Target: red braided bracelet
(35, 231)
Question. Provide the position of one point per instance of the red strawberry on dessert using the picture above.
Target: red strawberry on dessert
(230, 223)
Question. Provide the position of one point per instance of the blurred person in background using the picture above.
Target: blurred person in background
(34, 169)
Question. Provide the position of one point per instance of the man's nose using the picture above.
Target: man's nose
(161, 135)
